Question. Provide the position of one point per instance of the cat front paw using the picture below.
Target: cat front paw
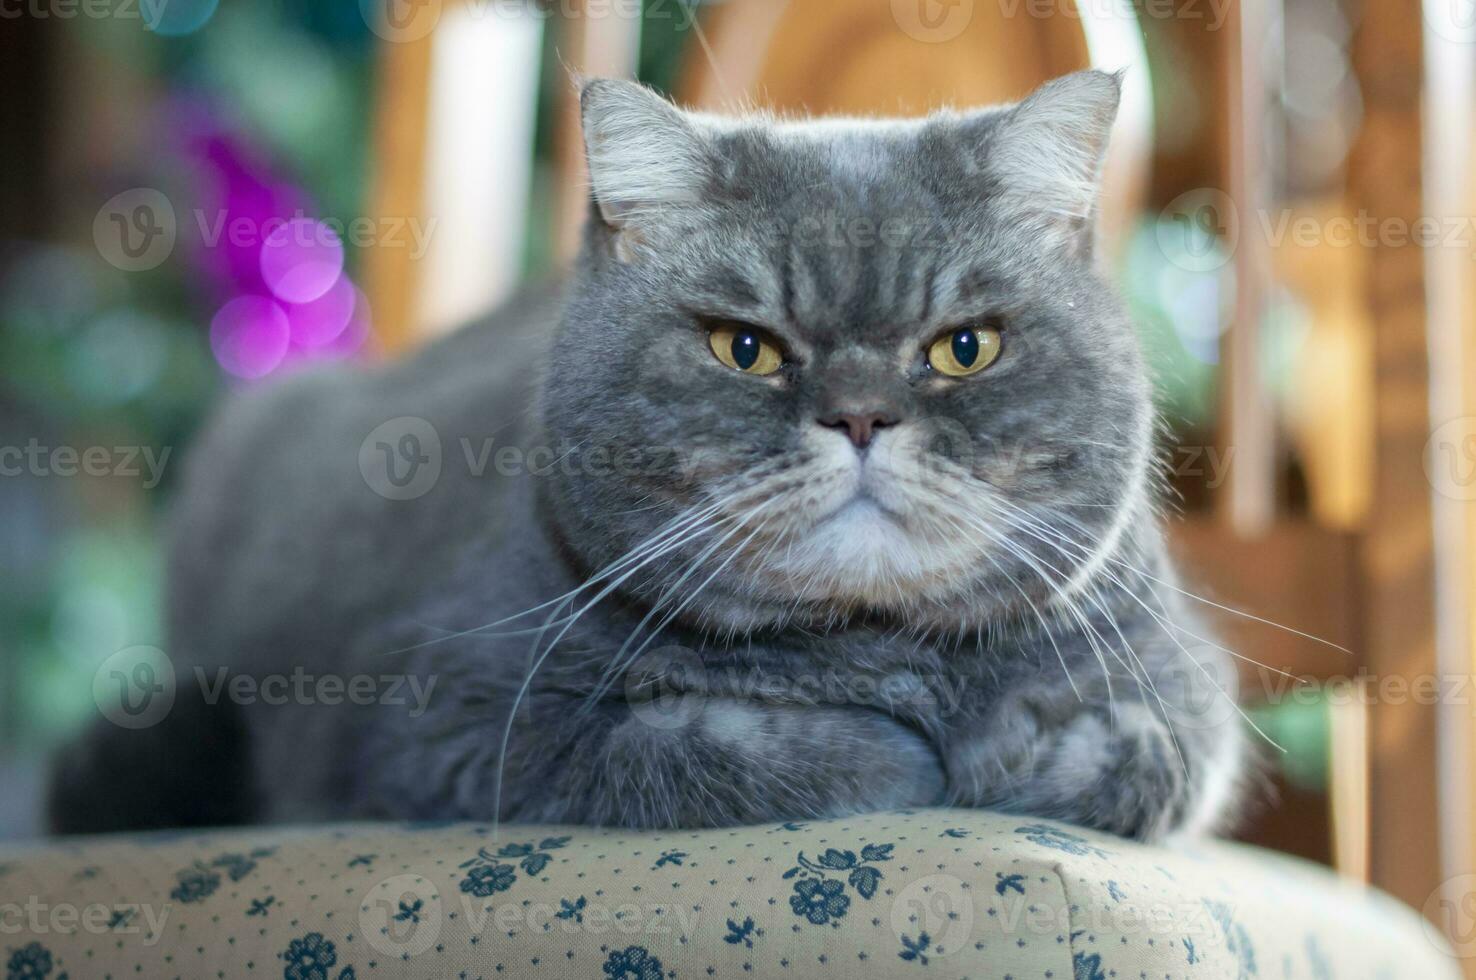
(1119, 770)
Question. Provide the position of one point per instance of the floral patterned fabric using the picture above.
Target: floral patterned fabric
(936, 893)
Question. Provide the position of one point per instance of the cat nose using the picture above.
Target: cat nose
(860, 427)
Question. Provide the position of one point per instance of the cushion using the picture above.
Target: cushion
(946, 893)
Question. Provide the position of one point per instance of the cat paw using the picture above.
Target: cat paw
(1120, 771)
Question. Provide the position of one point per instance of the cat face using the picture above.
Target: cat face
(851, 366)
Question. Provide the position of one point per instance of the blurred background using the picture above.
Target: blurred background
(199, 198)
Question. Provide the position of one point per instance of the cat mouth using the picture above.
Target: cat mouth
(862, 506)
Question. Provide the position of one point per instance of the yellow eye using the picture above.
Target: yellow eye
(965, 351)
(745, 349)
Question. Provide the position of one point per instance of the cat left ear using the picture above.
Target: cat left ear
(646, 157)
(1046, 151)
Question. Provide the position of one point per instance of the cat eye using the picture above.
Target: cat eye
(744, 348)
(965, 351)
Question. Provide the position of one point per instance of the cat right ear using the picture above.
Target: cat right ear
(646, 158)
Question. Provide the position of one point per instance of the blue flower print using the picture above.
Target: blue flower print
(740, 933)
(818, 896)
(670, 857)
(31, 962)
(819, 900)
(1237, 939)
(633, 963)
(1088, 967)
(1007, 883)
(488, 879)
(916, 950)
(1054, 837)
(532, 857)
(195, 884)
(238, 866)
(309, 958)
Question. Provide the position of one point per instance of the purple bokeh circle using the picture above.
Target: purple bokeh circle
(352, 340)
(301, 260)
(250, 336)
(319, 322)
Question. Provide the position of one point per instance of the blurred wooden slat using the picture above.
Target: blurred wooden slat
(486, 70)
(1398, 559)
(452, 146)
(1248, 502)
(1348, 771)
(1331, 401)
(397, 184)
(1450, 148)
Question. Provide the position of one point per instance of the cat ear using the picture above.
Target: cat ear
(1046, 151)
(645, 156)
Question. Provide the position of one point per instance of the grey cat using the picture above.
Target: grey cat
(825, 484)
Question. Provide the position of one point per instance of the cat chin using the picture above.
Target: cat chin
(862, 554)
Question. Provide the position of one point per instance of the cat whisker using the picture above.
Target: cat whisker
(659, 540)
(1224, 608)
(1164, 624)
(614, 669)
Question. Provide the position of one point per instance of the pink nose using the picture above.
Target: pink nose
(859, 427)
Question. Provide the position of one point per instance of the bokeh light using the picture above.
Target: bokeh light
(319, 322)
(250, 336)
(354, 337)
(301, 259)
(119, 356)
